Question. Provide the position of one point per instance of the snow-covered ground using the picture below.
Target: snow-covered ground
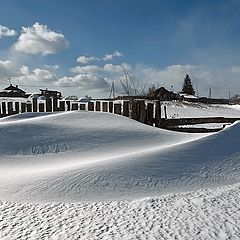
(92, 175)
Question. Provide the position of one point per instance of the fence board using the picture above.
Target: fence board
(23, 107)
(117, 108)
(150, 114)
(104, 106)
(90, 106)
(34, 104)
(82, 106)
(98, 106)
(126, 108)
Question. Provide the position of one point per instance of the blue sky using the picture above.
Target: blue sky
(79, 46)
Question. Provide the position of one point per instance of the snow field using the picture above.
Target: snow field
(204, 214)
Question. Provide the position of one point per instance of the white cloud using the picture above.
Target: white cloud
(37, 76)
(89, 69)
(52, 67)
(110, 56)
(85, 82)
(7, 69)
(86, 59)
(6, 32)
(39, 39)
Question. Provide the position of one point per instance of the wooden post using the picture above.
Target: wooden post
(55, 104)
(104, 106)
(90, 106)
(165, 112)
(48, 104)
(4, 112)
(62, 106)
(41, 107)
(118, 108)
(68, 105)
(110, 107)
(150, 114)
(126, 108)
(29, 107)
(133, 110)
(16, 107)
(74, 106)
(82, 106)
(142, 109)
(23, 107)
(97, 106)
(34, 104)
(10, 108)
(158, 114)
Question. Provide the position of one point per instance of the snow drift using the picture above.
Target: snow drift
(76, 156)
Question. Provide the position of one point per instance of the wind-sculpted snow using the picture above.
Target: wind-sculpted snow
(204, 214)
(99, 156)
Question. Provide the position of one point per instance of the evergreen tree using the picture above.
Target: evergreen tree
(187, 87)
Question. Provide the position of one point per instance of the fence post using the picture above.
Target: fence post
(4, 112)
(16, 107)
(142, 109)
(48, 104)
(91, 106)
(23, 107)
(10, 108)
(34, 104)
(68, 105)
(104, 106)
(41, 107)
(150, 114)
(126, 108)
(158, 114)
(29, 107)
(110, 106)
(82, 106)
(55, 104)
(117, 108)
(97, 106)
(62, 106)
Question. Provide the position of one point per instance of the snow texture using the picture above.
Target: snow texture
(91, 175)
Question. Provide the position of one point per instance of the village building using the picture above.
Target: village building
(13, 91)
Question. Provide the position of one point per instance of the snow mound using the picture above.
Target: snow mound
(90, 156)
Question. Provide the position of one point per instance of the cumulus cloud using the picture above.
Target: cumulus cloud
(91, 69)
(85, 82)
(39, 39)
(7, 69)
(110, 56)
(86, 59)
(6, 32)
(36, 76)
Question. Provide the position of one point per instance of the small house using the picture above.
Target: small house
(13, 91)
(163, 94)
(50, 93)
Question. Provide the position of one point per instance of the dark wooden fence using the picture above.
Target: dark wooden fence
(140, 110)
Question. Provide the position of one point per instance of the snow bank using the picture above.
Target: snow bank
(93, 156)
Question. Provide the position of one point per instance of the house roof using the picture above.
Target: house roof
(13, 88)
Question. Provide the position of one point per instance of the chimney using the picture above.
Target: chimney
(16, 86)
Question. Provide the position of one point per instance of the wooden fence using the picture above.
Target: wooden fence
(148, 113)
(140, 110)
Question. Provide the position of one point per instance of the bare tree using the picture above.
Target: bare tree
(131, 85)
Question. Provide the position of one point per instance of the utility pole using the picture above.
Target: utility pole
(112, 91)
(210, 93)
